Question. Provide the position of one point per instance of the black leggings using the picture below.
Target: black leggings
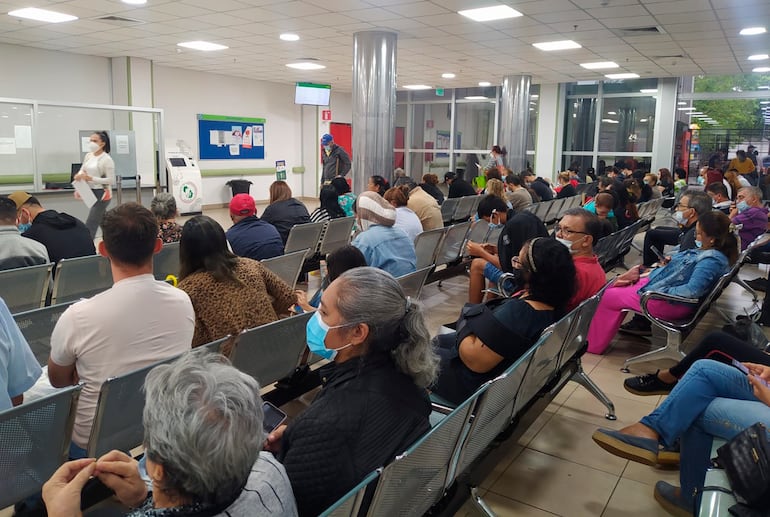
(721, 347)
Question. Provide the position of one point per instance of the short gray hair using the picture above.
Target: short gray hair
(163, 206)
(203, 423)
(698, 201)
(754, 192)
(374, 297)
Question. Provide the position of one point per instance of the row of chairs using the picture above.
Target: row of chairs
(446, 246)
(321, 237)
(612, 249)
(459, 209)
(424, 474)
(551, 211)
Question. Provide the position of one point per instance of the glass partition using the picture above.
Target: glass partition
(627, 124)
(580, 123)
(17, 160)
(475, 125)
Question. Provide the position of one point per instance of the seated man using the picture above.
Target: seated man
(137, 322)
(751, 213)
(383, 245)
(18, 367)
(426, 207)
(517, 194)
(486, 264)
(17, 251)
(718, 194)
(249, 236)
(691, 206)
(604, 206)
(62, 235)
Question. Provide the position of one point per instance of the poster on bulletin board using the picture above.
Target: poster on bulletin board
(231, 138)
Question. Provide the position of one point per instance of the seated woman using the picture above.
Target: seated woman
(337, 262)
(604, 205)
(377, 184)
(712, 400)
(229, 293)
(329, 207)
(373, 404)
(203, 443)
(345, 198)
(430, 185)
(719, 346)
(163, 207)
(406, 219)
(284, 211)
(496, 188)
(565, 188)
(690, 273)
(489, 341)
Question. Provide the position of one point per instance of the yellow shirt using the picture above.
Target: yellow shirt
(745, 167)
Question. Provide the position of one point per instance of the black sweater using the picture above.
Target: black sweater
(63, 235)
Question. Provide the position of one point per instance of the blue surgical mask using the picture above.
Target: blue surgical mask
(23, 227)
(327, 148)
(315, 333)
(742, 206)
(698, 244)
(701, 181)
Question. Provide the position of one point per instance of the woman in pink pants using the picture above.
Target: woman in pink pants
(690, 274)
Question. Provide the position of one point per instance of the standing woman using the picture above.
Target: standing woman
(99, 171)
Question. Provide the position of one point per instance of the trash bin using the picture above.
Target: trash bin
(239, 186)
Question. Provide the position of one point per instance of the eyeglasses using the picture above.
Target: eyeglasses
(567, 232)
(680, 205)
(515, 262)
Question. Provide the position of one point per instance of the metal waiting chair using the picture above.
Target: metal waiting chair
(304, 237)
(37, 326)
(452, 246)
(349, 504)
(426, 245)
(336, 235)
(479, 231)
(412, 283)
(464, 208)
(287, 266)
(81, 277)
(35, 440)
(25, 288)
(448, 208)
(270, 352)
(166, 261)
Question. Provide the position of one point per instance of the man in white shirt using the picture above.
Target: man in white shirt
(137, 322)
(18, 367)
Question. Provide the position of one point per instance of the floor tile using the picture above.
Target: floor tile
(650, 475)
(535, 428)
(583, 406)
(633, 499)
(505, 507)
(504, 454)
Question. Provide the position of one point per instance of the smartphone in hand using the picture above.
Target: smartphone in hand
(745, 370)
(661, 257)
(273, 417)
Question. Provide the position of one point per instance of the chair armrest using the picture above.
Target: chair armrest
(668, 325)
(501, 283)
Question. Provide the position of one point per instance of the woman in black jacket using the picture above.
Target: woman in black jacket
(284, 211)
(374, 402)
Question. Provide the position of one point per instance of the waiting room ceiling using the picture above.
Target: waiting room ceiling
(696, 36)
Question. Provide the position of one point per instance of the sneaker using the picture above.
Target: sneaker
(670, 498)
(648, 384)
(758, 284)
(638, 326)
(634, 448)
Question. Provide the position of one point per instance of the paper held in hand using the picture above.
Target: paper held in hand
(85, 192)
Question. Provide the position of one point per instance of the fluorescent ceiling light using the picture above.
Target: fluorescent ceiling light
(611, 113)
(484, 84)
(759, 57)
(628, 75)
(649, 90)
(134, 2)
(610, 121)
(289, 36)
(448, 75)
(600, 65)
(42, 15)
(477, 98)
(642, 120)
(306, 65)
(548, 46)
(696, 113)
(686, 109)
(764, 102)
(205, 46)
(417, 87)
(762, 69)
(535, 96)
(491, 13)
(763, 87)
(751, 31)
(681, 103)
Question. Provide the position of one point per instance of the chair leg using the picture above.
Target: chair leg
(582, 378)
(748, 288)
(671, 350)
(479, 504)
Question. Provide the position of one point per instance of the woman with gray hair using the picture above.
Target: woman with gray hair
(374, 403)
(163, 207)
(202, 439)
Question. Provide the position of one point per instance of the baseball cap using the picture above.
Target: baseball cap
(243, 204)
(19, 197)
(449, 176)
(326, 139)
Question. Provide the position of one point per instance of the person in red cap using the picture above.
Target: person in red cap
(249, 236)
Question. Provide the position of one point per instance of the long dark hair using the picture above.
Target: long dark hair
(105, 138)
(328, 199)
(716, 225)
(203, 247)
(549, 272)
(381, 184)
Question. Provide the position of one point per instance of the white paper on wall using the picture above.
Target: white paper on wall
(23, 136)
(121, 144)
(7, 146)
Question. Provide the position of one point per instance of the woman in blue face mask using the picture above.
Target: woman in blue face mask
(373, 404)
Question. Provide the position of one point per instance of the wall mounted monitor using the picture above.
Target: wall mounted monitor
(313, 94)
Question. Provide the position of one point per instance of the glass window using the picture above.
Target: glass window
(583, 88)
(627, 124)
(431, 126)
(583, 162)
(476, 93)
(475, 125)
(424, 163)
(402, 96)
(534, 108)
(731, 83)
(632, 162)
(16, 161)
(580, 124)
(630, 86)
(430, 95)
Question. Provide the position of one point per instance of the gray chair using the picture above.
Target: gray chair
(426, 245)
(288, 266)
(304, 237)
(166, 261)
(25, 288)
(35, 440)
(412, 283)
(452, 246)
(37, 326)
(271, 352)
(337, 235)
(448, 208)
(81, 277)
(118, 419)
(464, 208)
(479, 231)
(415, 480)
(349, 504)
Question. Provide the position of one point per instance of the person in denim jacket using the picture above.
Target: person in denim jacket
(689, 274)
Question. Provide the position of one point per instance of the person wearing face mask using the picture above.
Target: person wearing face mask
(491, 336)
(486, 264)
(334, 159)
(750, 213)
(384, 246)
(691, 274)
(99, 171)
(517, 194)
(17, 251)
(578, 230)
(373, 403)
(718, 194)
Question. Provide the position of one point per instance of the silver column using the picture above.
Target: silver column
(514, 119)
(374, 105)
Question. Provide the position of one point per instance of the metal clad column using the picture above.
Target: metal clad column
(514, 119)
(374, 105)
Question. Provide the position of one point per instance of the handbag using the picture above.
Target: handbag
(746, 461)
(749, 331)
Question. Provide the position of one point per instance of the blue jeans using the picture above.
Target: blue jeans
(711, 400)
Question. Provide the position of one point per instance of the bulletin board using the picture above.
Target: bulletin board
(231, 138)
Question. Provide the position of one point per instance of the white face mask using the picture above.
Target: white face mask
(567, 243)
(93, 147)
(680, 218)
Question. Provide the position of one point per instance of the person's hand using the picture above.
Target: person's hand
(761, 391)
(273, 440)
(475, 249)
(629, 277)
(61, 493)
(759, 370)
(302, 301)
(490, 248)
(77, 195)
(107, 195)
(120, 472)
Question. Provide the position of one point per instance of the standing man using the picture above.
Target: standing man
(334, 159)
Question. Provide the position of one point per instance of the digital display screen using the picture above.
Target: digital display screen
(313, 94)
(177, 162)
